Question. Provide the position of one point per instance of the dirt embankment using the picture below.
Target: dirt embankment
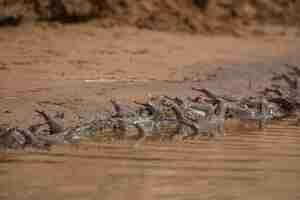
(202, 16)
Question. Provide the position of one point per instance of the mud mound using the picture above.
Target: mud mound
(179, 15)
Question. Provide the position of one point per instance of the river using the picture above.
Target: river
(246, 164)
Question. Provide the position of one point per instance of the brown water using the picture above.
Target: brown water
(243, 165)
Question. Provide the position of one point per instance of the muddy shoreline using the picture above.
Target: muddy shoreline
(78, 68)
(46, 67)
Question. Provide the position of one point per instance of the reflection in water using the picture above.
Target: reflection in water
(243, 165)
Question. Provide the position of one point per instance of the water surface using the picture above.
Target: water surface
(243, 165)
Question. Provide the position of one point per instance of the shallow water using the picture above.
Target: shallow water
(243, 165)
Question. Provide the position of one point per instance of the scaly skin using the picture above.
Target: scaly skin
(54, 126)
(204, 115)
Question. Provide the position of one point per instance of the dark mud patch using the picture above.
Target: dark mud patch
(3, 68)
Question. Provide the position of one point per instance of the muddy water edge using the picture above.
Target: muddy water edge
(246, 164)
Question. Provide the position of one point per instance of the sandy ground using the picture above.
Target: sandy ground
(76, 69)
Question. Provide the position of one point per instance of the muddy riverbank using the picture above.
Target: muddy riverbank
(78, 68)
